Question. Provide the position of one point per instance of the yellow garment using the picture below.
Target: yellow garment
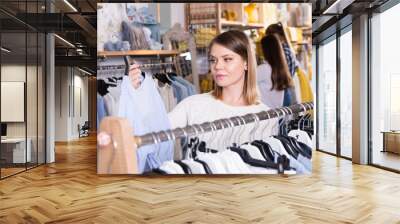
(309, 68)
(206, 84)
(252, 12)
(305, 88)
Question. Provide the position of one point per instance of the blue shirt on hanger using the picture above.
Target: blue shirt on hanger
(180, 91)
(145, 110)
(189, 86)
(101, 111)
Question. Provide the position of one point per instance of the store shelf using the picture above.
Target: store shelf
(161, 53)
(254, 26)
(231, 23)
(240, 25)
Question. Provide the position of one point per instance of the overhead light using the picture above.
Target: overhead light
(64, 40)
(337, 7)
(70, 5)
(5, 49)
(86, 72)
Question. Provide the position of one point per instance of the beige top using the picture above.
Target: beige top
(201, 108)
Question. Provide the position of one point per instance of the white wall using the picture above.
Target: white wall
(12, 73)
(61, 103)
(171, 13)
(80, 115)
(33, 126)
(71, 93)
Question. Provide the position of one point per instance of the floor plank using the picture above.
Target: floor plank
(70, 191)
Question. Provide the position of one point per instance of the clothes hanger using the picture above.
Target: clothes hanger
(252, 162)
(293, 141)
(215, 162)
(201, 146)
(265, 149)
(205, 165)
(299, 134)
(184, 167)
(288, 143)
(167, 166)
(283, 120)
(195, 166)
(274, 143)
(276, 125)
(232, 161)
(287, 149)
(242, 127)
(254, 151)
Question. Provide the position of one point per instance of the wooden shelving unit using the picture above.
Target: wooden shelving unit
(241, 25)
(160, 53)
(239, 22)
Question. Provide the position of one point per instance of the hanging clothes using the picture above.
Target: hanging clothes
(191, 90)
(201, 108)
(167, 95)
(297, 88)
(290, 59)
(305, 87)
(101, 112)
(144, 109)
(289, 93)
(180, 91)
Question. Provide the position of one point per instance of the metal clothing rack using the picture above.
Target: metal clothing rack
(122, 67)
(117, 147)
(196, 129)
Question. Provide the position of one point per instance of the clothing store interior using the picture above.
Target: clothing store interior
(94, 88)
(178, 65)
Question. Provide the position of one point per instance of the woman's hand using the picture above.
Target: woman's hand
(134, 75)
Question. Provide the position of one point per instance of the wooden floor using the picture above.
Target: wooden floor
(10, 171)
(387, 159)
(69, 191)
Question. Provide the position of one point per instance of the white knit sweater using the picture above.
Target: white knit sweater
(201, 108)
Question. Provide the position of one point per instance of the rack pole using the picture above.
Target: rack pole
(193, 130)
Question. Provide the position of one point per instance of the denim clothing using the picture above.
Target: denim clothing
(145, 110)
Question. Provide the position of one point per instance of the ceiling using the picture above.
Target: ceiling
(331, 15)
(77, 26)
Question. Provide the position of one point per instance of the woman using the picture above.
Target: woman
(273, 77)
(277, 28)
(233, 68)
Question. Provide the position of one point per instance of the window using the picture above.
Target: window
(327, 96)
(346, 94)
(385, 85)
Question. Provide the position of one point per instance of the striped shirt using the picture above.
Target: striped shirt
(290, 59)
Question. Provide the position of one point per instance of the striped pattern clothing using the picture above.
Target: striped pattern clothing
(290, 59)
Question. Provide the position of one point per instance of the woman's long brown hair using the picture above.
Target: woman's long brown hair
(275, 56)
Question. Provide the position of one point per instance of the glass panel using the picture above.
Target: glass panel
(346, 94)
(41, 99)
(327, 96)
(385, 86)
(314, 84)
(13, 85)
(31, 98)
